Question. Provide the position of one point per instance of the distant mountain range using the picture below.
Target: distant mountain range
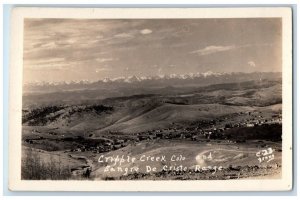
(172, 80)
(131, 79)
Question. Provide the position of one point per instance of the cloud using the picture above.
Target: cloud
(55, 63)
(123, 35)
(212, 49)
(50, 45)
(102, 70)
(251, 64)
(53, 67)
(101, 60)
(49, 61)
(146, 31)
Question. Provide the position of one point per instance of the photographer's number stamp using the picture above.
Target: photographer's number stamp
(265, 155)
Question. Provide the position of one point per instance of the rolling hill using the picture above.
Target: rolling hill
(138, 113)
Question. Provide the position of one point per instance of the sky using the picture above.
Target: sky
(58, 50)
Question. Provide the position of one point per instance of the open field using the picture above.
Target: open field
(232, 158)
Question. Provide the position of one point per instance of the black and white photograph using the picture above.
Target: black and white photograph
(154, 99)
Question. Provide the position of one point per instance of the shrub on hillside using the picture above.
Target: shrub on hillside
(34, 168)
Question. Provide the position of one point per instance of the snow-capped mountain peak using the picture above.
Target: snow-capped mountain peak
(130, 79)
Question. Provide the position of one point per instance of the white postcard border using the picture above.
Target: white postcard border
(15, 100)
